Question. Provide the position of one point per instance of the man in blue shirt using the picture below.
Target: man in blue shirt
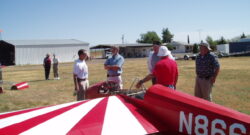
(113, 66)
(207, 69)
(153, 59)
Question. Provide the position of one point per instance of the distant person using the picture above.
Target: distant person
(165, 71)
(113, 65)
(80, 75)
(55, 67)
(47, 65)
(207, 69)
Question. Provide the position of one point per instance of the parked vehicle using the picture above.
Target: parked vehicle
(222, 54)
(108, 55)
(187, 57)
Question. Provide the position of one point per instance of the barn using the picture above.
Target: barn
(22, 52)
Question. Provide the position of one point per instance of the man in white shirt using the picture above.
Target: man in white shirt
(80, 75)
(55, 67)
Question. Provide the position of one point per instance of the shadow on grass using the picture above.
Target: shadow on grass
(39, 80)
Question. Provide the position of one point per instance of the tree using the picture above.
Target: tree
(211, 42)
(222, 40)
(170, 47)
(149, 37)
(243, 36)
(237, 38)
(166, 36)
(195, 48)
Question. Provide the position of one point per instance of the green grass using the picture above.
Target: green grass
(232, 88)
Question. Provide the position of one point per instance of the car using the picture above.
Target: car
(193, 57)
(186, 57)
(222, 54)
(108, 55)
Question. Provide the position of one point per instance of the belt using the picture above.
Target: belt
(79, 79)
(113, 75)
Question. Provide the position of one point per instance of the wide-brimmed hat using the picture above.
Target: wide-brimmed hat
(163, 51)
(206, 45)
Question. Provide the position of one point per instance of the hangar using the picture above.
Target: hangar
(22, 52)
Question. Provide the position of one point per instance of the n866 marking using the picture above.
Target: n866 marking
(201, 125)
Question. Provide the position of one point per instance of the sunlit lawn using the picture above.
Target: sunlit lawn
(232, 88)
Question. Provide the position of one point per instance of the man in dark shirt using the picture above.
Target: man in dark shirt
(207, 69)
(47, 65)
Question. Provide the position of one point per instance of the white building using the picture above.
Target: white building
(20, 52)
(223, 48)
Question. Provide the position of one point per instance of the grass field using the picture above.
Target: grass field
(232, 88)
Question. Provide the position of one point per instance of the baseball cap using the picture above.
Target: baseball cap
(206, 45)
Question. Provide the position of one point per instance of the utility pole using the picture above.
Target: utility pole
(122, 38)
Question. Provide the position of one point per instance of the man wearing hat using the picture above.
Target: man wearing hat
(165, 71)
(113, 66)
(207, 69)
(153, 58)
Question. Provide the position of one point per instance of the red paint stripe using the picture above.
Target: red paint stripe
(22, 83)
(27, 124)
(137, 112)
(19, 112)
(92, 123)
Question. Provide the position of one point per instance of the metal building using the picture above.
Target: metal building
(127, 50)
(21, 52)
(241, 46)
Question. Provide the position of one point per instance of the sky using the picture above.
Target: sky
(105, 21)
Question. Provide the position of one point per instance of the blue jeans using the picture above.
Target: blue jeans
(170, 86)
